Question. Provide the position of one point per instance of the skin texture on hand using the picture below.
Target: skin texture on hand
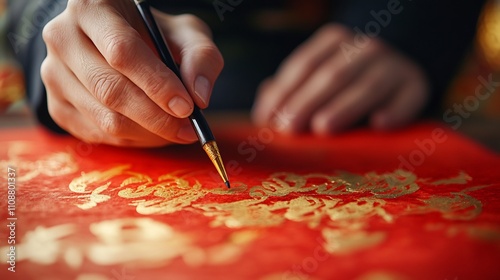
(105, 82)
(324, 88)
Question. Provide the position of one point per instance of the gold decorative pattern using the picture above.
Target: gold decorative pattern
(461, 179)
(52, 165)
(304, 202)
(345, 242)
(339, 207)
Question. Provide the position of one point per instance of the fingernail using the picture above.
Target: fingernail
(180, 107)
(187, 133)
(202, 88)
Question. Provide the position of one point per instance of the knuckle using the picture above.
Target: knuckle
(162, 126)
(52, 32)
(210, 54)
(156, 92)
(156, 86)
(119, 49)
(165, 127)
(159, 85)
(78, 7)
(107, 87)
(110, 122)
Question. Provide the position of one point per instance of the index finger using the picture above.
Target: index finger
(123, 47)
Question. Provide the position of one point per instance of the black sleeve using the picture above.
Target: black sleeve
(435, 34)
(26, 21)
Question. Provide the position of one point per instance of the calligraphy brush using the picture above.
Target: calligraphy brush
(200, 125)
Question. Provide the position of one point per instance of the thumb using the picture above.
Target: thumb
(200, 60)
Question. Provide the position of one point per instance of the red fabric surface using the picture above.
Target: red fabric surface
(420, 203)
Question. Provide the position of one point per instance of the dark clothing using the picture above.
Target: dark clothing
(255, 36)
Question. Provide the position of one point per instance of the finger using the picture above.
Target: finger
(296, 69)
(405, 105)
(324, 84)
(85, 130)
(79, 126)
(118, 94)
(357, 100)
(70, 119)
(64, 91)
(200, 60)
(64, 85)
(125, 50)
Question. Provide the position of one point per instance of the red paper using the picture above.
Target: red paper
(420, 203)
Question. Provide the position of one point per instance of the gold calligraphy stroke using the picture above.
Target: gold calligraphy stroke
(139, 242)
(19, 155)
(167, 194)
(340, 205)
(388, 185)
(170, 193)
(454, 205)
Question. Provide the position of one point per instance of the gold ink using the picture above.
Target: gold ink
(381, 275)
(141, 241)
(42, 245)
(355, 213)
(243, 213)
(224, 254)
(236, 189)
(284, 275)
(94, 198)
(79, 185)
(340, 206)
(388, 185)
(230, 251)
(308, 209)
(281, 184)
(171, 194)
(460, 179)
(244, 237)
(19, 154)
(137, 178)
(346, 242)
(92, 276)
(456, 206)
(73, 257)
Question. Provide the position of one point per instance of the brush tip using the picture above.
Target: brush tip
(228, 185)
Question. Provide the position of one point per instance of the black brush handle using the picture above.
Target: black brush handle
(197, 119)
